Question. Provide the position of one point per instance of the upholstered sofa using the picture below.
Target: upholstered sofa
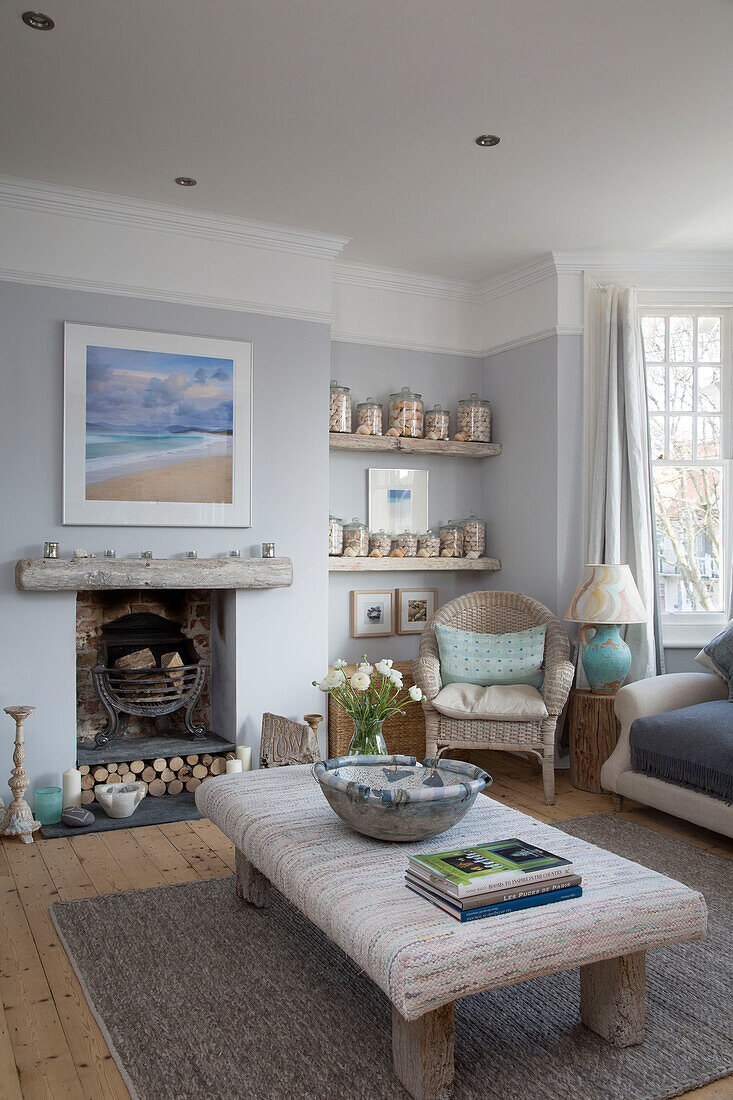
(660, 695)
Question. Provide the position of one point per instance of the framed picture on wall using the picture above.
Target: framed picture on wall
(414, 607)
(372, 614)
(398, 500)
(157, 428)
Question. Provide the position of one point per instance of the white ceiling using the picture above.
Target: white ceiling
(357, 117)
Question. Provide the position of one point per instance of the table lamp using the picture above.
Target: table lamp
(606, 597)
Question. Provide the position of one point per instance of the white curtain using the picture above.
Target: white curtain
(621, 523)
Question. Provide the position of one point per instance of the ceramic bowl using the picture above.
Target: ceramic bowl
(119, 799)
(395, 798)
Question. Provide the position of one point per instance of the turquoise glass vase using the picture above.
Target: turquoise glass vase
(48, 805)
(606, 657)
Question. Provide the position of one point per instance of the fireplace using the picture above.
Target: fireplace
(147, 667)
(164, 693)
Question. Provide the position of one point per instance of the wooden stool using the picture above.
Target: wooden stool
(594, 731)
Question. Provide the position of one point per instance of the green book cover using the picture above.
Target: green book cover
(486, 864)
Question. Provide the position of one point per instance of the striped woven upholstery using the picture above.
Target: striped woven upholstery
(353, 889)
(497, 613)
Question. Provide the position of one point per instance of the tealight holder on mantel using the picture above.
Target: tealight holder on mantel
(19, 819)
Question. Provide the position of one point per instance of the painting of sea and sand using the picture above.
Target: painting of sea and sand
(158, 426)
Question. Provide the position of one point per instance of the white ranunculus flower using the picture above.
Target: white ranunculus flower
(360, 681)
(364, 667)
(383, 668)
(396, 677)
(332, 680)
(338, 674)
(387, 661)
(415, 693)
(340, 663)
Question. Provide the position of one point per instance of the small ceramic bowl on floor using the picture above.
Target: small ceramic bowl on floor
(395, 798)
(119, 799)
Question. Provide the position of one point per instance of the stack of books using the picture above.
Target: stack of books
(488, 879)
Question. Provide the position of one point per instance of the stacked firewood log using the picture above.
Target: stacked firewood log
(160, 776)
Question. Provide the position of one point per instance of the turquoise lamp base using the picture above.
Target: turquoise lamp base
(606, 658)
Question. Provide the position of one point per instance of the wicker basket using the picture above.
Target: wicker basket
(404, 733)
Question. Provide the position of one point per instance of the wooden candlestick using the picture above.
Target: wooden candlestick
(314, 721)
(19, 819)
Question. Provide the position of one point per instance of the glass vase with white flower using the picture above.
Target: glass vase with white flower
(370, 695)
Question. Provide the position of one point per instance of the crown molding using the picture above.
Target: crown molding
(677, 260)
(516, 279)
(48, 198)
(95, 286)
(405, 282)
(533, 338)
(342, 337)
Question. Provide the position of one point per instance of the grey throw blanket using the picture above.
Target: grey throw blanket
(692, 747)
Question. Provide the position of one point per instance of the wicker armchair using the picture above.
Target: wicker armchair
(497, 613)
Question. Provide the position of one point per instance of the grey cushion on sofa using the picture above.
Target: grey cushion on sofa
(692, 747)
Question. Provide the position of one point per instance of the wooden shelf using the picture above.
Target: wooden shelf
(90, 574)
(340, 441)
(415, 565)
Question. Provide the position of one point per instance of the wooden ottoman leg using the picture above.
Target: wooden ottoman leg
(613, 998)
(251, 885)
(423, 1053)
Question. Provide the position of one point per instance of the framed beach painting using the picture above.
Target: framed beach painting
(157, 428)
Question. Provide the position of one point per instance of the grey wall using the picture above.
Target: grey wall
(279, 637)
(533, 492)
(455, 485)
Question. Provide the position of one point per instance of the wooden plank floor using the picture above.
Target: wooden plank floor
(50, 1044)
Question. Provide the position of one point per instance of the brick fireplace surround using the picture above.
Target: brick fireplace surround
(190, 609)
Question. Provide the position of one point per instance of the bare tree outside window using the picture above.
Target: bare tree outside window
(683, 360)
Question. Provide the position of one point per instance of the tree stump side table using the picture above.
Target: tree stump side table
(594, 731)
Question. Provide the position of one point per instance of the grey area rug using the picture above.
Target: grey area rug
(202, 997)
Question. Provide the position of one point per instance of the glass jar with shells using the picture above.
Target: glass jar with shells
(406, 542)
(340, 408)
(369, 417)
(474, 537)
(380, 544)
(405, 413)
(437, 423)
(335, 536)
(451, 539)
(428, 544)
(474, 420)
(356, 539)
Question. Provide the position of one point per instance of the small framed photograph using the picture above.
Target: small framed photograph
(372, 614)
(414, 607)
(398, 500)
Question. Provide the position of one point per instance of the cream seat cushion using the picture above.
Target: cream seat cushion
(498, 703)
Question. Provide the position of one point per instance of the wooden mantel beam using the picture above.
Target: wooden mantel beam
(94, 574)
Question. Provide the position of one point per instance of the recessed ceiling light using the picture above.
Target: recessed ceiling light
(487, 140)
(38, 20)
(186, 181)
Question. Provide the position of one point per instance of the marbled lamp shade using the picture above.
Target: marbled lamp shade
(605, 598)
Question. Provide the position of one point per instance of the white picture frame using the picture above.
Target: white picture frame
(414, 607)
(372, 614)
(398, 500)
(137, 406)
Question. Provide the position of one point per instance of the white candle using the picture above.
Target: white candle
(244, 754)
(71, 787)
(233, 766)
